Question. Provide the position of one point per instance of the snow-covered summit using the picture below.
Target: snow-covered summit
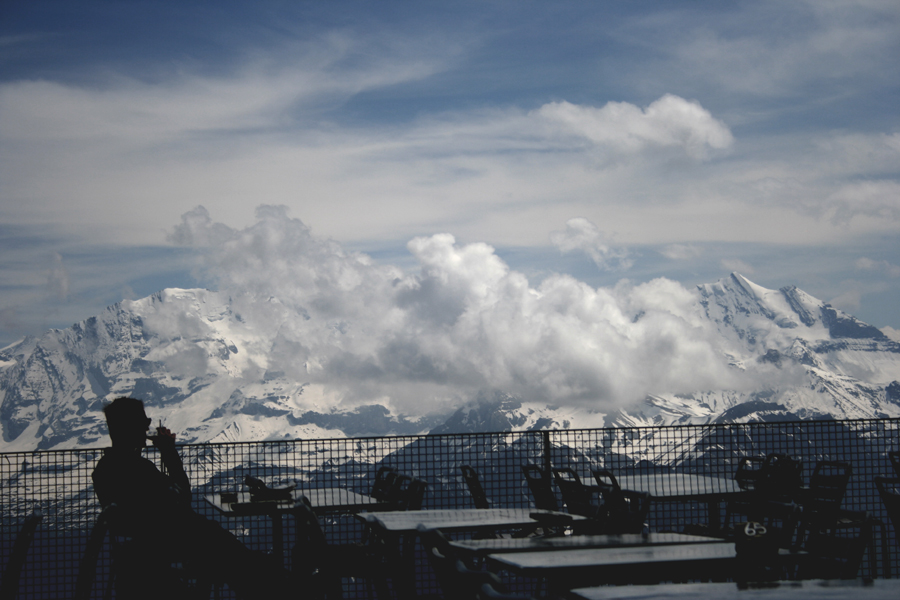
(217, 367)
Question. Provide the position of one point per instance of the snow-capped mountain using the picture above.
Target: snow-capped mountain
(215, 371)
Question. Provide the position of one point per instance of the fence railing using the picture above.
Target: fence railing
(58, 483)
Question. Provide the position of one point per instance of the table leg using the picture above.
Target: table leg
(277, 536)
(712, 509)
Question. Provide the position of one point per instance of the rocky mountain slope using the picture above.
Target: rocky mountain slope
(215, 372)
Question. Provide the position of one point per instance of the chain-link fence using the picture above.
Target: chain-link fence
(57, 484)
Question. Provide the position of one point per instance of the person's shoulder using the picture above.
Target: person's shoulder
(113, 459)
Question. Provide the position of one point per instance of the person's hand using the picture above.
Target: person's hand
(164, 438)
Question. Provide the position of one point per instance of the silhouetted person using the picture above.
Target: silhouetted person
(154, 511)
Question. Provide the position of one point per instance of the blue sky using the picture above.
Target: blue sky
(607, 140)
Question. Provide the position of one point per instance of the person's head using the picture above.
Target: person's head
(127, 422)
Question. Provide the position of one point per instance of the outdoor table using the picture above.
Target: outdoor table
(402, 522)
(566, 569)
(686, 487)
(813, 589)
(481, 548)
(399, 529)
(322, 500)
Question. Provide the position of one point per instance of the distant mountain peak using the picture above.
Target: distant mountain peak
(214, 371)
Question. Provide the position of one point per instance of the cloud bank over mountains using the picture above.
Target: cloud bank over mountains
(462, 321)
(661, 140)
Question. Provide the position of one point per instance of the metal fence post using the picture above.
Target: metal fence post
(548, 463)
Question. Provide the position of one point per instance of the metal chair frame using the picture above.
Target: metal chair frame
(9, 586)
(541, 487)
(473, 482)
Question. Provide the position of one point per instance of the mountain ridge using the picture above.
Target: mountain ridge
(215, 371)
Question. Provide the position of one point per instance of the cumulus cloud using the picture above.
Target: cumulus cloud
(460, 322)
(582, 235)
(670, 121)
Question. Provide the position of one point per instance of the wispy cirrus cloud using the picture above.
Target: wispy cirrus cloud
(673, 128)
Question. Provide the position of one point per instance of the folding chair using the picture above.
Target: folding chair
(457, 580)
(384, 478)
(621, 511)
(9, 586)
(541, 487)
(135, 572)
(324, 565)
(771, 485)
(606, 481)
(576, 496)
(889, 490)
(414, 495)
(821, 502)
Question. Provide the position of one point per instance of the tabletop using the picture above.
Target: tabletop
(400, 522)
(674, 486)
(339, 499)
(576, 568)
(569, 542)
(538, 563)
(879, 589)
(320, 499)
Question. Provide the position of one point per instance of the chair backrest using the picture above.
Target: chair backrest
(894, 457)
(827, 485)
(9, 585)
(414, 495)
(473, 482)
(310, 549)
(384, 477)
(836, 555)
(606, 481)
(749, 472)
(889, 490)
(396, 494)
(781, 477)
(87, 568)
(626, 511)
(575, 495)
(138, 569)
(541, 488)
(311, 560)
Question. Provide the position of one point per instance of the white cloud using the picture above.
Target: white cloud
(735, 264)
(882, 266)
(670, 121)
(58, 279)
(848, 301)
(463, 321)
(874, 199)
(775, 50)
(582, 235)
(681, 251)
